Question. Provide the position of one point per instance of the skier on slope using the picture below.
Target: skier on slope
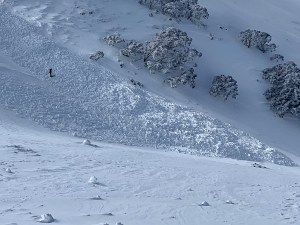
(51, 73)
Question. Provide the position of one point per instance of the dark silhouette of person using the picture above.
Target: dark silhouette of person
(51, 73)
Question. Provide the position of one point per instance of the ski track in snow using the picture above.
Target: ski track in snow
(89, 101)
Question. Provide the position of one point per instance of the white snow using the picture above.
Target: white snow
(86, 142)
(46, 218)
(205, 203)
(93, 180)
(142, 185)
(148, 145)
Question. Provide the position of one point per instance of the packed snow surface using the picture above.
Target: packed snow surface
(140, 185)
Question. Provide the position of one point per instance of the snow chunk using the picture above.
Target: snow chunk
(205, 203)
(86, 142)
(46, 218)
(7, 170)
(97, 197)
(229, 202)
(93, 180)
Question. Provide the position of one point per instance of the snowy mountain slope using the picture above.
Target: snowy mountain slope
(88, 100)
(49, 173)
(224, 55)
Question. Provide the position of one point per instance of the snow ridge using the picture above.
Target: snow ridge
(90, 101)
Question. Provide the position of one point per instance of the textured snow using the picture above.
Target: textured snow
(86, 99)
(142, 186)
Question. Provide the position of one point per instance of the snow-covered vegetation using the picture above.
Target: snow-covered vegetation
(178, 9)
(224, 86)
(284, 93)
(257, 39)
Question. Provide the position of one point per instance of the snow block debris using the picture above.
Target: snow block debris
(205, 203)
(93, 180)
(97, 197)
(7, 170)
(229, 202)
(86, 142)
(46, 218)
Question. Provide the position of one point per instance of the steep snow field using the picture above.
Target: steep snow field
(89, 100)
(43, 172)
(223, 55)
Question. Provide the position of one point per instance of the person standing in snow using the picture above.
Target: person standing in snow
(51, 73)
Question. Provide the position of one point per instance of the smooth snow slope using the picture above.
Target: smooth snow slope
(223, 55)
(90, 101)
(50, 173)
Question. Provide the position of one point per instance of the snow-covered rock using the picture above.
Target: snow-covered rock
(46, 218)
(119, 223)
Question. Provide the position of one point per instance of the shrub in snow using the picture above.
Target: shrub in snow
(113, 39)
(134, 50)
(284, 94)
(170, 52)
(257, 39)
(188, 9)
(86, 142)
(46, 218)
(187, 77)
(96, 56)
(277, 58)
(257, 165)
(136, 83)
(224, 86)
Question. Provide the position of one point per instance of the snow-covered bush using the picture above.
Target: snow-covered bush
(188, 9)
(97, 55)
(136, 83)
(134, 50)
(257, 39)
(170, 52)
(113, 39)
(188, 77)
(284, 94)
(224, 86)
(277, 58)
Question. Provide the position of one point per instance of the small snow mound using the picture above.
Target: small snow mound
(93, 180)
(205, 203)
(46, 218)
(7, 170)
(86, 142)
(97, 197)
(229, 202)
